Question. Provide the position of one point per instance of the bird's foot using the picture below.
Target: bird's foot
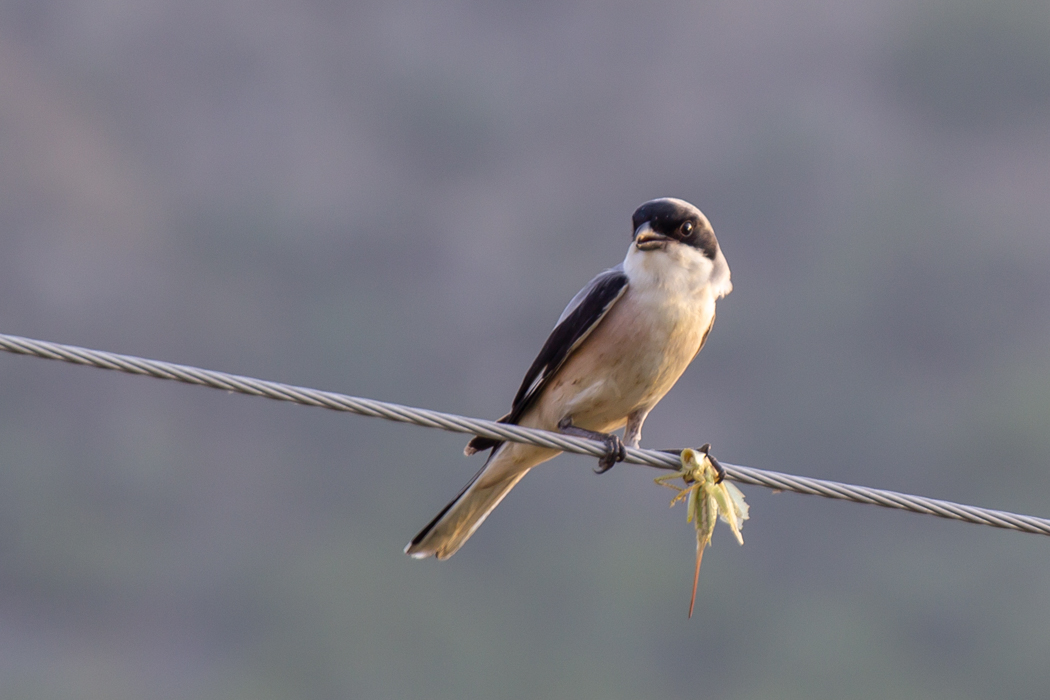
(614, 447)
(616, 453)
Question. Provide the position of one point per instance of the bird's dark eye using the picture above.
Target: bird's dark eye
(687, 228)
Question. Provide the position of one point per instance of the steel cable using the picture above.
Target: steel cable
(501, 431)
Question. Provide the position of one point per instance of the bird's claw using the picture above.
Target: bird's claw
(616, 452)
(614, 448)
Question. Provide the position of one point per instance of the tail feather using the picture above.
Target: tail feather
(453, 526)
(478, 443)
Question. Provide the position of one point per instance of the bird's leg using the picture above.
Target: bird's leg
(632, 434)
(616, 452)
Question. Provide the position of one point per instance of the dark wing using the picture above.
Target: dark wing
(580, 317)
(585, 312)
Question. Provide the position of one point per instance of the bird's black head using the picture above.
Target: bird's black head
(673, 219)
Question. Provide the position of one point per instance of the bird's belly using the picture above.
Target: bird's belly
(629, 362)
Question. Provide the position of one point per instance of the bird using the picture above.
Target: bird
(617, 348)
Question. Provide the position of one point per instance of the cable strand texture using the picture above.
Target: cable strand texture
(501, 431)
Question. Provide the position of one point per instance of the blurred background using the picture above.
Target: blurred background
(396, 199)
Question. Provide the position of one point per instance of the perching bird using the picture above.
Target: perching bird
(619, 346)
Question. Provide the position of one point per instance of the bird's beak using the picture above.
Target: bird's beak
(645, 238)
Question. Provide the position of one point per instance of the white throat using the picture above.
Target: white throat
(679, 268)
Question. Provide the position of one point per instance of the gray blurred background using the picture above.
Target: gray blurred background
(396, 200)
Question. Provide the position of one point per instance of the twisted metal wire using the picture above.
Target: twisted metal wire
(501, 431)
